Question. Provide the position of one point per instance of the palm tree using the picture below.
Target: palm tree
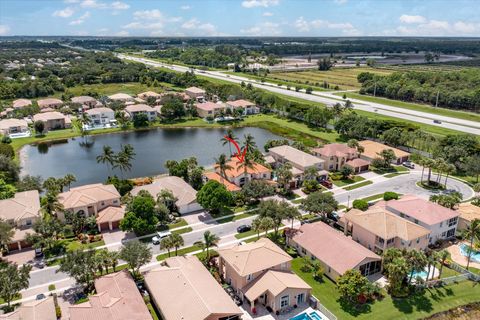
(262, 224)
(223, 166)
(246, 164)
(177, 241)
(417, 261)
(337, 110)
(113, 259)
(291, 213)
(124, 158)
(69, 179)
(248, 143)
(473, 233)
(167, 243)
(442, 257)
(51, 204)
(229, 135)
(311, 173)
(107, 157)
(209, 240)
(449, 169)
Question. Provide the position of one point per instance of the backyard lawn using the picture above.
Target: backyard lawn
(414, 307)
(345, 182)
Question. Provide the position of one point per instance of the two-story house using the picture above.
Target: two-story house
(238, 176)
(246, 106)
(260, 273)
(379, 229)
(21, 212)
(13, 126)
(371, 149)
(53, 120)
(52, 103)
(195, 93)
(337, 155)
(440, 221)
(87, 101)
(209, 109)
(101, 116)
(137, 109)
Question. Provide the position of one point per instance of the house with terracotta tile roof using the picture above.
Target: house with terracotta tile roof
(109, 218)
(248, 107)
(337, 155)
(379, 229)
(21, 103)
(49, 103)
(239, 177)
(85, 100)
(147, 94)
(89, 200)
(53, 120)
(21, 212)
(12, 126)
(195, 93)
(442, 222)
(137, 109)
(336, 252)
(185, 194)
(468, 212)
(117, 298)
(43, 309)
(192, 292)
(209, 109)
(215, 176)
(373, 148)
(122, 97)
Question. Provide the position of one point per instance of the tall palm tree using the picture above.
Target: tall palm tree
(113, 259)
(442, 257)
(262, 224)
(449, 169)
(473, 233)
(223, 166)
(124, 158)
(225, 141)
(167, 243)
(51, 204)
(177, 241)
(291, 213)
(417, 261)
(248, 143)
(69, 179)
(209, 240)
(107, 157)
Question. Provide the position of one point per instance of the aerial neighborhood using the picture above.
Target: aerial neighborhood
(178, 176)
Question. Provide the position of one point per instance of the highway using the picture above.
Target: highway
(326, 98)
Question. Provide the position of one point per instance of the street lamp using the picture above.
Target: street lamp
(348, 202)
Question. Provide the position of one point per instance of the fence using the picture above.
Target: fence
(317, 305)
(463, 276)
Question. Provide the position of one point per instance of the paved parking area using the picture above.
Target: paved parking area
(20, 257)
(113, 239)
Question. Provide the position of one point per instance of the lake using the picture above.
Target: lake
(153, 148)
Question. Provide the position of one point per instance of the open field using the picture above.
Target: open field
(132, 88)
(417, 107)
(344, 78)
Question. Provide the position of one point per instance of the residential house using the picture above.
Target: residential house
(259, 272)
(209, 109)
(147, 94)
(379, 229)
(43, 309)
(246, 106)
(373, 148)
(49, 103)
(101, 116)
(335, 252)
(85, 101)
(185, 194)
(442, 222)
(117, 298)
(468, 212)
(21, 212)
(21, 103)
(91, 200)
(12, 126)
(337, 155)
(192, 292)
(137, 109)
(299, 160)
(239, 176)
(215, 176)
(122, 97)
(53, 120)
(195, 93)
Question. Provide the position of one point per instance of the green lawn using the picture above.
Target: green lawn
(237, 217)
(345, 182)
(17, 297)
(180, 223)
(245, 234)
(182, 230)
(359, 185)
(180, 252)
(106, 89)
(417, 107)
(77, 245)
(391, 175)
(373, 197)
(414, 307)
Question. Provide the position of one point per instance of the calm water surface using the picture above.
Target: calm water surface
(153, 149)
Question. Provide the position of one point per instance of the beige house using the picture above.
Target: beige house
(215, 176)
(122, 97)
(185, 194)
(49, 103)
(12, 125)
(337, 155)
(373, 148)
(147, 94)
(85, 100)
(468, 213)
(137, 109)
(101, 116)
(195, 93)
(378, 229)
(43, 309)
(236, 174)
(21, 103)
(21, 212)
(336, 252)
(117, 298)
(248, 107)
(192, 292)
(89, 200)
(259, 272)
(53, 120)
(209, 109)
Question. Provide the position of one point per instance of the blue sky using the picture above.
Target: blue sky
(240, 17)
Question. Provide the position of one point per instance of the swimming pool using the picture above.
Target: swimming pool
(475, 254)
(307, 316)
(423, 274)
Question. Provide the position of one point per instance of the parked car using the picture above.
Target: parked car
(409, 164)
(160, 235)
(38, 252)
(333, 216)
(237, 301)
(244, 228)
(437, 121)
(40, 296)
(326, 184)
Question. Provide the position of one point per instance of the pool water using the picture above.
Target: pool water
(475, 254)
(421, 274)
(305, 316)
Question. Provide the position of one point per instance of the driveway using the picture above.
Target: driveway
(20, 257)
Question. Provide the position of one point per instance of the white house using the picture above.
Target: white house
(137, 109)
(101, 116)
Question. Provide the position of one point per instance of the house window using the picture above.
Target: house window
(249, 277)
(444, 233)
(28, 222)
(452, 222)
(115, 201)
(300, 298)
(450, 233)
(418, 240)
(390, 241)
(284, 301)
(416, 221)
(102, 203)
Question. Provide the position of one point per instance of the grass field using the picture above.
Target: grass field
(131, 88)
(359, 185)
(415, 106)
(344, 78)
(416, 306)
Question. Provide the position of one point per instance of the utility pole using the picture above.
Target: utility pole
(375, 89)
(436, 102)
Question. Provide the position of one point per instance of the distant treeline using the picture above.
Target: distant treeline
(455, 89)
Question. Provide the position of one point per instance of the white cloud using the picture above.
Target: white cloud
(199, 28)
(93, 4)
(122, 34)
(426, 27)
(71, 1)
(140, 25)
(267, 14)
(80, 19)
(148, 14)
(259, 3)
(64, 13)
(405, 18)
(346, 28)
(4, 29)
(263, 29)
(185, 7)
(118, 5)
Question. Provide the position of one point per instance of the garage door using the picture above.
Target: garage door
(115, 224)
